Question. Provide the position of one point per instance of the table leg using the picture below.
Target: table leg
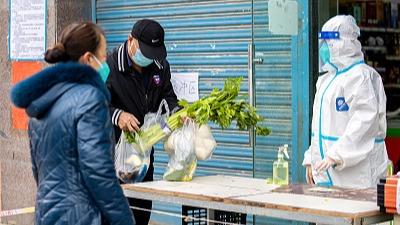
(210, 216)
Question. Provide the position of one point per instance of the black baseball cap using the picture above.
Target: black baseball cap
(150, 35)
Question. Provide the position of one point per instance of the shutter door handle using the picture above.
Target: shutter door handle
(251, 80)
(258, 60)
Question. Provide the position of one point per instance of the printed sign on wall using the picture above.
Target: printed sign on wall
(27, 40)
(186, 86)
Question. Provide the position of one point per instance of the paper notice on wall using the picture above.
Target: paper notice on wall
(27, 29)
(186, 86)
(283, 17)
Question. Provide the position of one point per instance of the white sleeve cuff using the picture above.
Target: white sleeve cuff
(115, 116)
(307, 157)
(333, 155)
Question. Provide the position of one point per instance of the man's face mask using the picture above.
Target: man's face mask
(103, 70)
(140, 59)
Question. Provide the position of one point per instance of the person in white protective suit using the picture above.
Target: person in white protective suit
(349, 113)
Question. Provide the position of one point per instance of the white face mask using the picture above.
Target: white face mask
(140, 59)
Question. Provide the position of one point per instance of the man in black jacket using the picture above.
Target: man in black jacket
(139, 79)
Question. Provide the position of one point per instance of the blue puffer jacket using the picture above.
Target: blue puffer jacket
(71, 141)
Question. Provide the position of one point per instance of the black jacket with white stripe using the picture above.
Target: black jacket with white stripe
(128, 87)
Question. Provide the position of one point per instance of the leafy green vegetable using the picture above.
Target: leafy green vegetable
(221, 107)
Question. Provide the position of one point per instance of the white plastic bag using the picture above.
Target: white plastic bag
(132, 160)
(131, 165)
(169, 145)
(205, 143)
(151, 119)
(182, 161)
(155, 118)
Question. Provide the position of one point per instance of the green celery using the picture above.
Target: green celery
(220, 107)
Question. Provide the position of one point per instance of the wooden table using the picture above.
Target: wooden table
(255, 196)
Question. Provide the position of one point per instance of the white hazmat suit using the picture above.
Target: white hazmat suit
(349, 114)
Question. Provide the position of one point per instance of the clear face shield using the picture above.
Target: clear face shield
(323, 47)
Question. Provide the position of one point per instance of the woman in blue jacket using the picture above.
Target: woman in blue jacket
(70, 132)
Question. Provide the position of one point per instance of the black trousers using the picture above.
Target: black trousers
(142, 217)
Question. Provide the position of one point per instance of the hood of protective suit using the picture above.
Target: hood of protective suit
(345, 51)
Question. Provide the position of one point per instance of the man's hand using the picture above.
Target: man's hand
(184, 119)
(309, 176)
(325, 164)
(128, 122)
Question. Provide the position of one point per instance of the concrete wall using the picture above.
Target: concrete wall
(17, 186)
(69, 11)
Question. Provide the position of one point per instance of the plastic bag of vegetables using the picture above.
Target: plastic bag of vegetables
(132, 159)
(204, 143)
(182, 157)
(131, 165)
(184, 174)
(221, 107)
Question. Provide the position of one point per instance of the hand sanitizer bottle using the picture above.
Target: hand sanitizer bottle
(280, 171)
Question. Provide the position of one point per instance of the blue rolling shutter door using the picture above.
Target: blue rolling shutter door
(272, 70)
(281, 86)
(273, 92)
(212, 38)
(208, 37)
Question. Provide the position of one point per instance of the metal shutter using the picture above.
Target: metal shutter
(212, 38)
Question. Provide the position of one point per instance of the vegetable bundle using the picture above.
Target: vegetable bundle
(221, 107)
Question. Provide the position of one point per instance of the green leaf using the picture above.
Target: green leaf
(221, 107)
(263, 131)
(183, 103)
